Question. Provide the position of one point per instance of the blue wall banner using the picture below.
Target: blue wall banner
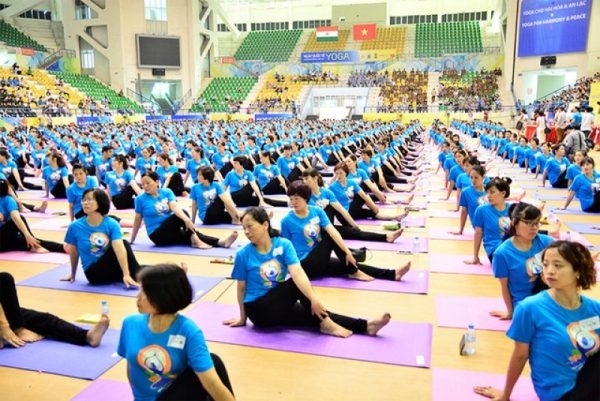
(157, 117)
(85, 120)
(188, 117)
(272, 116)
(330, 57)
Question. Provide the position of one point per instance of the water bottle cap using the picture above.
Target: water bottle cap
(471, 326)
(103, 301)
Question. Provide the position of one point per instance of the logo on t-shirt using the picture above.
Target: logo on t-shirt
(162, 207)
(156, 363)
(98, 243)
(270, 272)
(209, 196)
(504, 225)
(312, 233)
(482, 200)
(534, 266)
(585, 341)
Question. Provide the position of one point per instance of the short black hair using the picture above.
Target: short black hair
(502, 184)
(153, 175)
(207, 172)
(101, 199)
(166, 286)
(299, 188)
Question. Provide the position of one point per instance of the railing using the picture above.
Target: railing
(57, 55)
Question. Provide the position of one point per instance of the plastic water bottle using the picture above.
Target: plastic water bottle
(470, 340)
(416, 248)
(568, 236)
(104, 307)
(552, 218)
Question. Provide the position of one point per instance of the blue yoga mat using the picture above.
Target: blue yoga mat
(143, 244)
(574, 211)
(64, 359)
(585, 228)
(51, 279)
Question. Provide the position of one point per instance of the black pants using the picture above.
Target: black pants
(217, 214)
(349, 232)
(561, 181)
(595, 208)
(247, 197)
(13, 181)
(187, 386)
(12, 239)
(59, 191)
(273, 188)
(587, 386)
(319, 263)
(294, 175)
(285, 305)
(125, 199)
(176, 184)
(42, 323)
(357, 211)
(107, 269)
(174, 232)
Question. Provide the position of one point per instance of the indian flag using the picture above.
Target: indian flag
(327, 34)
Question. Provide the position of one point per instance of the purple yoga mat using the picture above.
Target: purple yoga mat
(51, 279)
(443, 213)
(411, 221)
(54, 224)
(454, 311)
(402, 244)
(102, 390)
(444, 233)
(33, 195)
(25, 256)
(143, 244)
(448, 263)
(450, 384)
(64, 359)
(574, 211)
(552, 197)
(49, 214)
(585, 228)
(398, 343)
(413, 282)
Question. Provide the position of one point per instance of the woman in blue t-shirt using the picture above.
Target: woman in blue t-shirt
(167, 356)
(268, 299)
(210, 202)
(471, 198)
(517, 261)
(557, 331)
(556, 168)
(81, 183)
(586, 187)
(169, 175)
(270, 180)
(166, 223)
(575, 168)
(121, 184)
(56, 176)
(97, 239)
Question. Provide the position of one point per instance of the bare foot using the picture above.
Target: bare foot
(95, 334)
(331, 328)
(197, 243)
(39, 249)
(27, 335)
(373, 326)
(401, 271)
(227, 242)
(184, 266)
(42, 208)
(393, 236)
(361, 276)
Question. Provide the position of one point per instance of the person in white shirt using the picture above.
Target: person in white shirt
(561, 123)
(587, 120)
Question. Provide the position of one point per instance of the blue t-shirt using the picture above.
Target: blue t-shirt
(531, 156)
(455, 171)
(554, 168)
(193, 165)
(573, 171)
(163, 172)
(287, 165)
(521, 152)
(471, 199)
(560, 341)
(7, 205)
(75, 192)
(582, 186)
(117, 183)
(155, 360)
(304, 232)
(541, 160)
(53, 176)
(324, 199)
(494, 224)
(264, 174)
(145, 165)
(236, 182)
(219, 160)
(360, 176)
(154, 210)
(92, 242)
(346, 194)
(263, 272)
(205, 196)
(521, 268)
(7, 168)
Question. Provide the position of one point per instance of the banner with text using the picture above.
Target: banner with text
(330, 57)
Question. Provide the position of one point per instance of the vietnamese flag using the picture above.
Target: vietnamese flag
(365, 32)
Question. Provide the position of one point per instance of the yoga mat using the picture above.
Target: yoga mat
(450, 384)
(538, 186)
(585, 228)
(413, 282)
(102, 390)
(64, 359)
(410, 221)
(48, 214)
(459, 312)
(455, 264)
(577, 237)
(552, 197)
(444, 233)
(398, 343)
(143, 244)
(26, 256)
(402, 244)
(51, 279)
(574, 211)
(33, 195)
(54, 224)
(443, 213)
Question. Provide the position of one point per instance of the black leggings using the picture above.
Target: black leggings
(587, 386)
(12, 239)
(125, 199)
(107, 269)
(42, 323)
(246, 197)
(280, 307)
(357, 211)
(273, 188)
(174, 232)
(59, 191)
(561, 181)
(217, 214)
(349, 232)
(319, 263)
(176, 184)
(187, 386)
(595, 208)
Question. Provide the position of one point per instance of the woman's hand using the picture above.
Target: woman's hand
(474, 261)
(70, 278)
(456, 233)
(318, 309)
(350, 259)
(9, 337)
(234, 322)
(129, 281)
(32, 242)
(501, 315)
(490, 392)
(190, 226)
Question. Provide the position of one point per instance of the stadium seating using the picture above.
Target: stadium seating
(314, 46)
(15, 38)
(388, 38)
(223, 90)
(436, 40)
(269, 46)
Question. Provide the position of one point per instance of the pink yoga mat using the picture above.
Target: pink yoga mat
(459, 312)
(398, 343)
(102, 390)
(402, 244)
(450, 384)
(55, 224)
(49, 214)
(410, 221)
(444, 233)
(24, 256)
(443, 213)
(455, 264)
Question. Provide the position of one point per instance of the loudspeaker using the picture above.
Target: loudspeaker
(356, 117)
(158, 72)
(548, 60)
(312, 117)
